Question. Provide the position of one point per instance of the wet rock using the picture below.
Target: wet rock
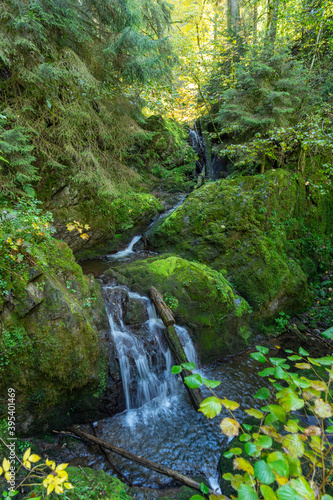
(135, 312)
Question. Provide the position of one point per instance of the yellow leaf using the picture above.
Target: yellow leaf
(50, 464)
(26, 454)
(230, 405)
(27, 464)
(19, 241)
(242, 464)
(1, 470)
(50, 488)
(86, 227)
(303, 366)
(61, 467)
(58, 489)
(34, 458)
(230, 427)
(70, 227)
(68, 486)
(322, 409)
(84, 236)
(5, 465)
(79, 229)
(318, 385)
(8, 476)
(312, 430)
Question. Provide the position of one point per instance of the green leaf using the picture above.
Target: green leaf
(204, 489)
(262, 349)
(176, 369)
(267, 492)
(303, 352)
(227, 476)
(193, 381)
(266, 372)
(255, 413)
(264, 441)
(287, 493)
(244, 437)
(247, 427)
(294, 445)
(263, 472)
(211, 383)
(280, 373)
(197, 497)
(250, 449)
(326, 497)
(289, 351)
(328, 334)
(278, 412)
(281, 467)
(295, 357)
(329, 429)
(263, 393)
(210, 407)
(188, 366)
(258, 357)
(289, 400)
(246, 492)
(295, 468)
(228, 454)
(303, 488)
(326, 360)
(230, 405)
(236, 451)
(277, 361)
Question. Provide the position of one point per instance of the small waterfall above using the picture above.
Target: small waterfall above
(123, 254)
(197, 141)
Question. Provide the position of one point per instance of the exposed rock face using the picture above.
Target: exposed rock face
(264, 233)
(55, 346)
(216, 315)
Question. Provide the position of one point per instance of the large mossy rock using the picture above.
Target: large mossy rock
(112, 222)
(51, 346)
(255, 230)
(217, 316)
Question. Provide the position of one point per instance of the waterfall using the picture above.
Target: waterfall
(198, 143)
(144, 358)
(128, 251)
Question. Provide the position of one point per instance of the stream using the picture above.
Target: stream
(159, 422)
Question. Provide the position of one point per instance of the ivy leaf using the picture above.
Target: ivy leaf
(326, 360)
(210, 407)
(228, 454)
(245, 437)
(287, 493)
(230, 427)
(263, 393)
(295, 468)
(267, 492)
(322, 409)
(291, 426)
(227, 476)
(193, 381)
(236, 451)
(258, 356)
(255, 413)
(290, 401)
(293, 444)
(280, 373)
(303, 352)
(295, 357)
(176, 369)
(263, 472)
(246, 492)
(318, 385)
(328, 334)
(243, 464)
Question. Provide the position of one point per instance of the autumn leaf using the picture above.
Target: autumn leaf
(230, 427)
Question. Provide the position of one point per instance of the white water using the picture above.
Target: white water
(123, 254)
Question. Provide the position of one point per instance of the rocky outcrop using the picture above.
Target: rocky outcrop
(266, 233)
(54, 345)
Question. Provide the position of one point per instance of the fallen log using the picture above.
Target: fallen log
(149, 464)
(174, 343)
(164, 311)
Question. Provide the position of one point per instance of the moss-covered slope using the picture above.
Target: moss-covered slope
(50, 342)
(216, 315)
(263, 232)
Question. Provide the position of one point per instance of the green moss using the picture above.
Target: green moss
(206, 301)
(258, 231)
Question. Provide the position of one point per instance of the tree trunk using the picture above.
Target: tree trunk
(272, 19)
(140, 460)
(233, 17)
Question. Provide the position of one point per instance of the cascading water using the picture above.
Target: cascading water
(123, 254)
(145, 372)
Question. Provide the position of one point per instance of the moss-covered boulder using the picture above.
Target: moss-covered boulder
(111, 222)
(216, 315)
(254, 230)
(51, 346)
